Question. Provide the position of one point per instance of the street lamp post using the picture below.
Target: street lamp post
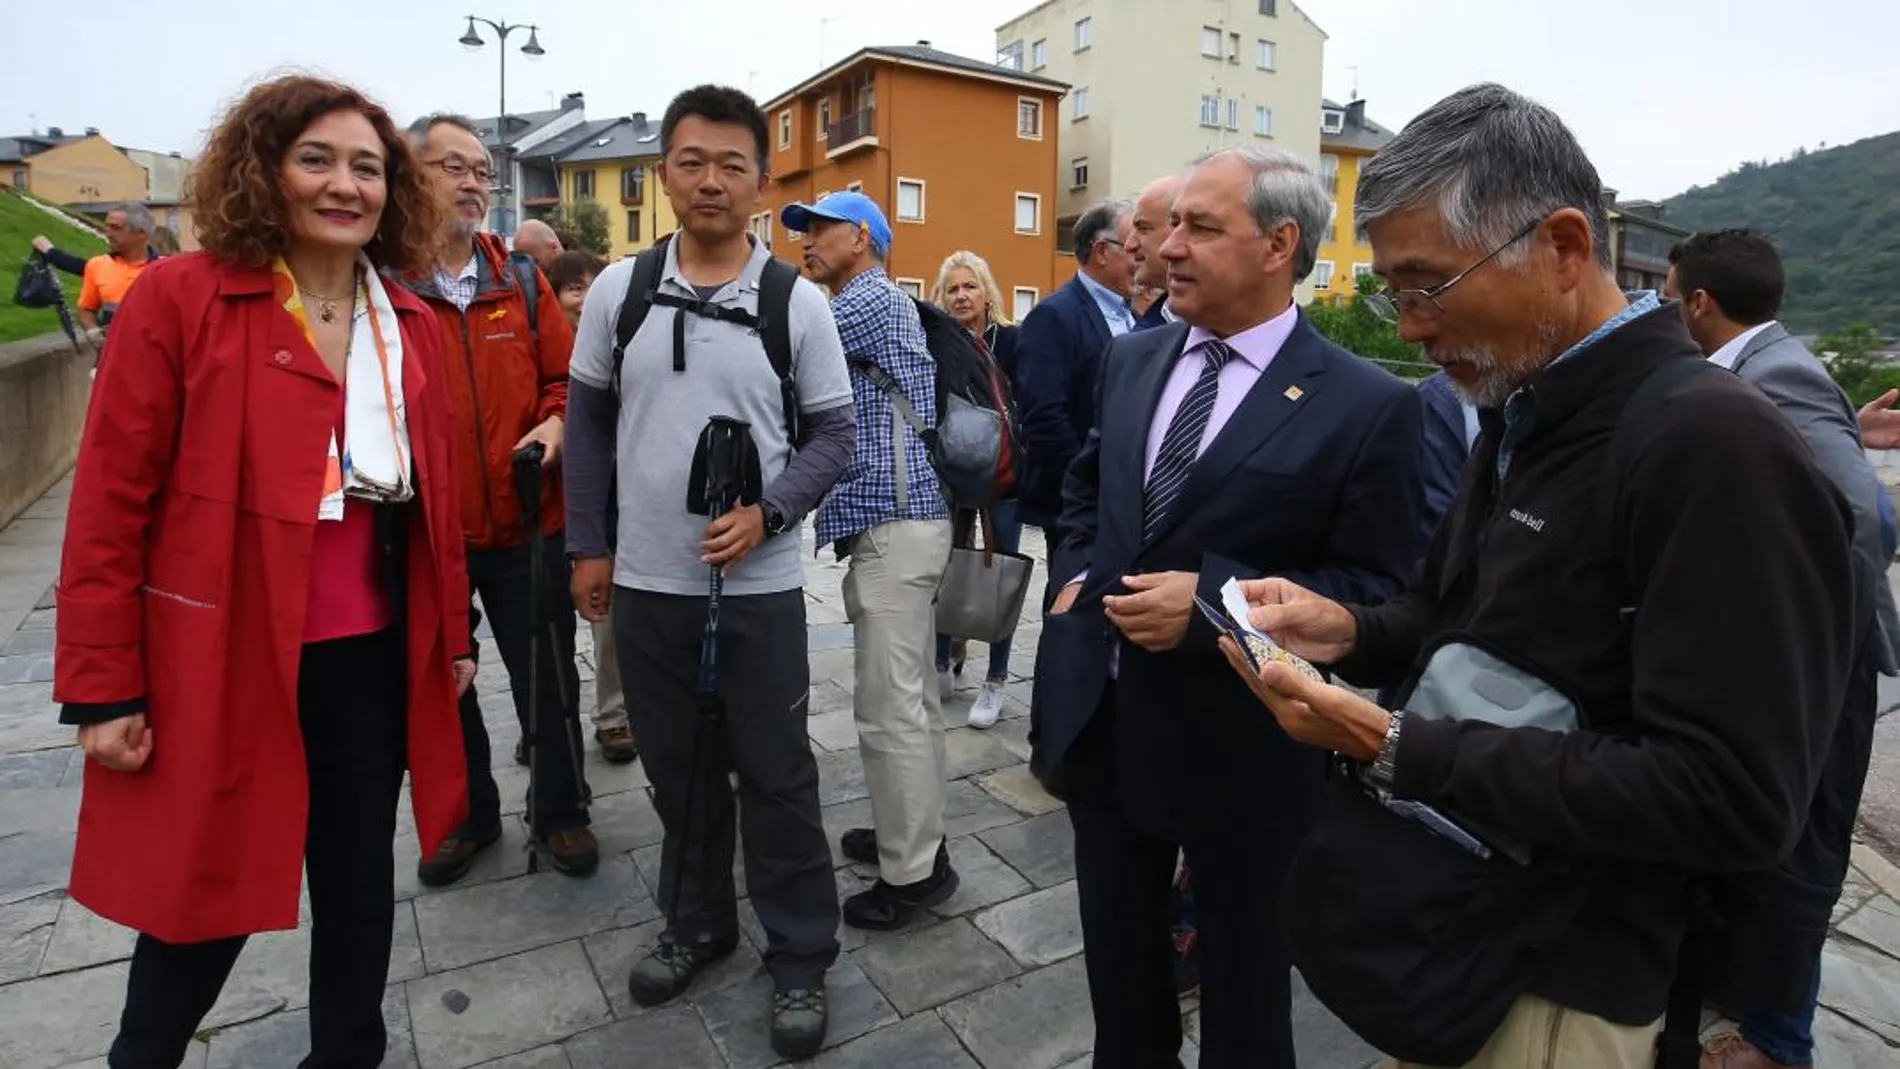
(533, 50)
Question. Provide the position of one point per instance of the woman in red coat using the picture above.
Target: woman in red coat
(262, 602)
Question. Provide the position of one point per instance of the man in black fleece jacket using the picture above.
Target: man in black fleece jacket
(1705, 641)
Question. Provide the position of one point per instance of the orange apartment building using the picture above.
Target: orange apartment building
(960, 154)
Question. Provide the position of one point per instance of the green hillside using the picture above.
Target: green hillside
(1835, 216)
(20, 220)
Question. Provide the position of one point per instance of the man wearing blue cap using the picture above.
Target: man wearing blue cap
(888, 516)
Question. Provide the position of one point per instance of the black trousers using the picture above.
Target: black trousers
(1123, 877)
(764, 683)
(351, 704)
(501, 577)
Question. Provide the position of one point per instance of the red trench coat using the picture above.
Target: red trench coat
(184, 581)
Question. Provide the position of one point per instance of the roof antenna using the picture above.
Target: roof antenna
(1355, 83)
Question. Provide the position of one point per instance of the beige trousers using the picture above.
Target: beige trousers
(890, 590)
(1539, 1034)
(610, 702)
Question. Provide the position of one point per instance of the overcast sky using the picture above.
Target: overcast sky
(1664, 95)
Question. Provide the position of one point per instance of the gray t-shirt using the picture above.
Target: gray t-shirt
(662, 413)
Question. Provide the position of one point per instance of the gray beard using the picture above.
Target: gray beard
(1498, 378)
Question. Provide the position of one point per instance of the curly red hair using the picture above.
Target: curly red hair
(237, 198)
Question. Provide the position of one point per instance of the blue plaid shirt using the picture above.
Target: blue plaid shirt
(878, 322)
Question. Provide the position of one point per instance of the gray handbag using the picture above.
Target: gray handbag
(982, 590)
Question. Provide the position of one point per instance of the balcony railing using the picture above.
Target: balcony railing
(858, 126)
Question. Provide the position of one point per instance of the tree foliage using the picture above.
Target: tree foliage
(1851, 356)
(1354, 326)
(1833, 215)
(587, 221)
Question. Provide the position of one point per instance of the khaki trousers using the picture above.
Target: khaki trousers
(610, 702)
(890, 590)
(1539, 1034)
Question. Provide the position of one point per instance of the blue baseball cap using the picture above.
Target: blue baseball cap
(844, 208)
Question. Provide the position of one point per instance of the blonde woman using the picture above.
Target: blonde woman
(968, 291)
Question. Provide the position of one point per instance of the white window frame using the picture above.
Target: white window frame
(1233, 113)
(1323, 274)
(1267, 55)
(1016, 309)
(824, 119)
(1233, 48)
(1010, 56)
(1016, 209)
(1210, 111)
(912, 286)
(1332, 121)
(1262, 129)
(785, 129)
(854, 187)
(1079, 173)
(1210, 38)
(1036, 105)
(1079, 104)
(1359, 271)
(1084, 33)
(897, 202)
(1039, 55)
(760, 227)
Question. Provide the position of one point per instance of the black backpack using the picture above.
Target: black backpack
(975, 441)
(528, 277)
(772, 323)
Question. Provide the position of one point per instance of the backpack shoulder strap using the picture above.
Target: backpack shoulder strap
(529, 279)
(775, 330)
(642, 285)
(882, 379)
(1638, 412)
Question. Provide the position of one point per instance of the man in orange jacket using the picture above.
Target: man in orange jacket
(507, 383)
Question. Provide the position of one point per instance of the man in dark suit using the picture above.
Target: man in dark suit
(1235, 443)
(1058, 352)
(1147, 229)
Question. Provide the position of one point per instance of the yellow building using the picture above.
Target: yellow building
(615, 163)
(1347, 140)
(62, 169)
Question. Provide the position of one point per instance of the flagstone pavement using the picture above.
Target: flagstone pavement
(521, 971)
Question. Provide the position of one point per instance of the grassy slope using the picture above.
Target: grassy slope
(20, 220)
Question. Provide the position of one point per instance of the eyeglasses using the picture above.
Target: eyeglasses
(456, 167)
(1394, 305)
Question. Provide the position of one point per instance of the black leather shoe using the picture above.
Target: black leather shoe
(669, 968)
(860, 845)
(798, 1021)
(888, 907)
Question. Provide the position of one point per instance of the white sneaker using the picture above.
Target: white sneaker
(989, 706)
(946, 684)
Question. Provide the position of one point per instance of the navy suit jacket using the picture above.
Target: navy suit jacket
(1058, 356)
(1442, 449)
(1314, 478)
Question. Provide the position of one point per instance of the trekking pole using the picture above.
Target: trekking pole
(527, 473)
(725, 473)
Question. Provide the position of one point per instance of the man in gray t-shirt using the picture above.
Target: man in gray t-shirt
(681, 368)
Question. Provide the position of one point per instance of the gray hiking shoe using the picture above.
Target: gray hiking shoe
(798, 1021)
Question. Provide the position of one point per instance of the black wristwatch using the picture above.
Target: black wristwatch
(774, 522)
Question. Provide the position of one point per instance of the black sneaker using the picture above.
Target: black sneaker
(669, 968)
(888, 907)
(798, 1021)
(860, 845)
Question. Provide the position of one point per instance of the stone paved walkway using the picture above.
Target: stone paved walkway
(529, 972)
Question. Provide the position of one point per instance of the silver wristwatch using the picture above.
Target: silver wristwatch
(1383, 770)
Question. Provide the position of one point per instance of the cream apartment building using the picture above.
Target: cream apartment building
(1157, 82)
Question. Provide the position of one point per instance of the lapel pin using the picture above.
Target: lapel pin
(1294, 393)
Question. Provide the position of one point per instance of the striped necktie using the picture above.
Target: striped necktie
(1182, 444)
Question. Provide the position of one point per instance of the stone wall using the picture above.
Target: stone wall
(44, 387)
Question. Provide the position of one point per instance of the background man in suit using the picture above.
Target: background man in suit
(1451, 425)
(1058, 351)
(1237, 442)
(1147, 229)
(1730, 284)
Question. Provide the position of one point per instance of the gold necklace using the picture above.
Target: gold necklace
(326, 306)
